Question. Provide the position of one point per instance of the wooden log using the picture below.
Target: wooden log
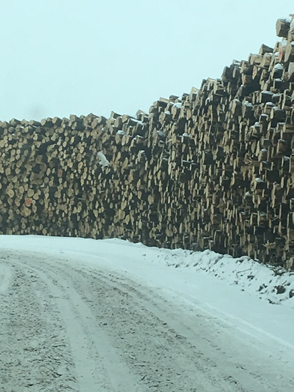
(282, 27)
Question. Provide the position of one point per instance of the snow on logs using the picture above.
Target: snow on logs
(211, 169)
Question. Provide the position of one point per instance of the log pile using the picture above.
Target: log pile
(208, 170)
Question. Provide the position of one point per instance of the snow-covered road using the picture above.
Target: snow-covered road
(107, 316)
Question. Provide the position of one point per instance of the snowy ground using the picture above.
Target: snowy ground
(86, 315)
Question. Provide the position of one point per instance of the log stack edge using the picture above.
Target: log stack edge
(213, 169)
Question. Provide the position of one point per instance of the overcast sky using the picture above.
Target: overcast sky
(62, 57)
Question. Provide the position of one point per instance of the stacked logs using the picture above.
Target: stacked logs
(212, 169)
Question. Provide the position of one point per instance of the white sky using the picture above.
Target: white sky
(62, 57)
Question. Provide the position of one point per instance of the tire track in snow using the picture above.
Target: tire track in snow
(227, 360)
(34, 350)
(97, 364)
(137, 326)
(5, 278)
(128, 337)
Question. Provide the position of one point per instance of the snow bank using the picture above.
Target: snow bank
(273, 284)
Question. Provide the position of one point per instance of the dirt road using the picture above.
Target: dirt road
(69, 326)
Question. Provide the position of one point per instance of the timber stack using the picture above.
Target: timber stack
(213, 169)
